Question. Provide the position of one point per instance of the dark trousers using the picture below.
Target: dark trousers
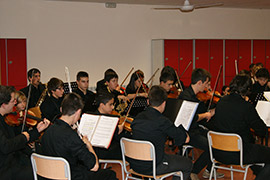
(172, 163)
(104, 174)
(198, 139)
(253, 153)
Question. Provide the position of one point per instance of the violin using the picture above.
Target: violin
(174, 92)
(207, 95)
(15, 118)
(127, 120)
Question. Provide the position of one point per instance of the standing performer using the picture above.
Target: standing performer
(37, 88)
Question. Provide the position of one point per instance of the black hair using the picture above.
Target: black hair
(32, 72)
(71, 103)
(5, 94)
(109, 71)
(262, 73)
(244, 71)
(166, 76)
(53, 84)
(169, 69)
(110, 75)
(241, 84)
(157, 95)
(81, 74)
(134, 78)
(223, 89)
(200, 74)
(104, 98)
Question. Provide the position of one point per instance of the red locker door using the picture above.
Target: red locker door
(267, 54)
(231, 54)
(186, 56)
(259, 51)
(244, 51)
(202, 54)
(13, 63)
(216, 60)
(171, 53)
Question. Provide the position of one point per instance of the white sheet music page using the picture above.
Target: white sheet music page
(262, 108)
(186, 114)
(88, 124)
(104, 131)
(266, 94)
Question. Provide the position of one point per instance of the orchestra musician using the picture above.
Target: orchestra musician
(200, 80)
(166, 81)
(136, 80)
(152, 126)
(50, 107)
(105, 102)
(37, 87)
(101, 85)
(14, 164)
(87, 96)
(235, 115)
(61, 140)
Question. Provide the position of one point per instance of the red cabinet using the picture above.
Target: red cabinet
(13, 62)
(267, 54)
(186, 56)
(231, 54)
(202, 53)
(259, 53)
(244, 54)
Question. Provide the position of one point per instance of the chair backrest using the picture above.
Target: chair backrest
(50, 167)
(226, 142)
(139, 150)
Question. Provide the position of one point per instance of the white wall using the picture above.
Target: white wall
(90, 37)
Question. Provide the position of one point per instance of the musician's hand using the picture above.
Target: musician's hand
(43, 125)
(212, 111)
(122, 97)
(187, 139)
(86, 141)
(143, 95)
(121, 127)
(26, 135)
(117, 88)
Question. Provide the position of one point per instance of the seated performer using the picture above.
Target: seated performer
(105, 103)
(152, 126)
(236, 115)
(101, 85)
(50, 107)
(261, 84)
(36, 87)
(62, 141)
(200, 80)
(166, 81)
(135, 82)
(13, 163)
(87, 96)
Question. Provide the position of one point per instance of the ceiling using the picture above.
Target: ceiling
(249, 4)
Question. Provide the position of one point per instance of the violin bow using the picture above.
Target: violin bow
(236, 67)
(141, 82)
(131, 104)
(151, 78)
(178, 80)
(185, 69)
(215, 87)
(27, 102)
(68, 79)
(126, 77)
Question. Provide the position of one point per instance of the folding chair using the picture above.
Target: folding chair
(144, 151)
(185, 152)
(106, 161)
(226, 142)
(50, 167)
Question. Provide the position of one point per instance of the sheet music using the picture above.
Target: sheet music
(262, 108)
(104, 131)
(266, 94)
(186, 114)
(88, 124)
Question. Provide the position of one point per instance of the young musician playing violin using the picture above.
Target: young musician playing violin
(87, 96)
(135, 82)
(36, 87)
(50, 107)
(61, 140)
(14, 164)
(101, 85)
(200, 80)
(235, 115)
(166, 81)
(105, 102)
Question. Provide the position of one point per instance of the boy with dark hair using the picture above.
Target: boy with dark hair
(166, 81)
(33, 76)
(101, 85)
(151, 125)
(87, 96)
(236, 115)
(50, 107)
(14, 164)
(61, 140)
(200, 80)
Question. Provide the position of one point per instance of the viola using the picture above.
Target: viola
(174, 92)
(15, 118)
(128, 120)
(207, 95)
